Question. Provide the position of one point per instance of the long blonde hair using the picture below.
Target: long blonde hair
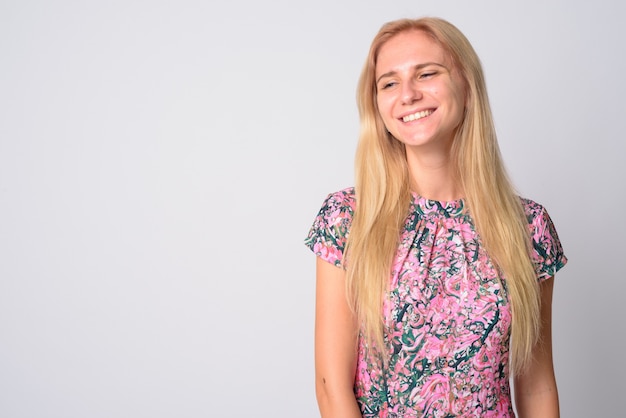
(383, 196)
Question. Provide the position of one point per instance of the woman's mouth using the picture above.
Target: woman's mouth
(417, 115)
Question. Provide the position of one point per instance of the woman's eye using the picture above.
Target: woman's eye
(427, 74)
(387, 85)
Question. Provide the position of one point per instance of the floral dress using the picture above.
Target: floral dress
(447, 314)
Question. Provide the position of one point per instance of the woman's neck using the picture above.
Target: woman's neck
(432, 176)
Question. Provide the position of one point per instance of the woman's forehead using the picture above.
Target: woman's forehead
(410, 48)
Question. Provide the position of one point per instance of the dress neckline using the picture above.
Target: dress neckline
(444, 207)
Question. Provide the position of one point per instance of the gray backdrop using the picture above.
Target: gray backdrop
(161, 163)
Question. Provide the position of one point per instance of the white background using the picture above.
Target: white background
(161, 163)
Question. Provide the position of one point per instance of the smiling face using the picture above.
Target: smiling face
(420, 96)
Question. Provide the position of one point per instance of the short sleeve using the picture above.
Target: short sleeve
(547, 251)
(329, 233)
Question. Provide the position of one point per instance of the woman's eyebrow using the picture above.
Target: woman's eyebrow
(417, 67)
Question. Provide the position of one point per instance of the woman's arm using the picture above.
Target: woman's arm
(536, 393)
(336, 335)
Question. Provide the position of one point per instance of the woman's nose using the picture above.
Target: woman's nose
(410, 93)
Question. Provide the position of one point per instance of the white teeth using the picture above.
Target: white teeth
(418, 115)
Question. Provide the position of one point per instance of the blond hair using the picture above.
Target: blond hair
(383, 195)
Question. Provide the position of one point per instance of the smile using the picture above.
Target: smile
(417, 115)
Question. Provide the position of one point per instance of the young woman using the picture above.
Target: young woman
(434, 279)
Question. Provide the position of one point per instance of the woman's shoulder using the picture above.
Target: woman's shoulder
(342, 198)
(532, 209)
(537, 216)
(338, 206)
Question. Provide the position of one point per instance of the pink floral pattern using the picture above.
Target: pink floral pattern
(447, 315)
